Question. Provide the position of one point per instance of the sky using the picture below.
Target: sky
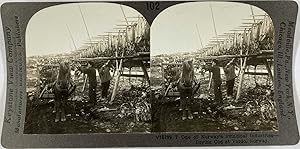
(174, 30)
(47, 31)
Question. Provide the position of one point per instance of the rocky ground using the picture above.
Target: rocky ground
(254, 111)
(130, 112)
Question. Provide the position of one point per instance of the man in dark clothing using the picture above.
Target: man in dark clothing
(105, 78)
(91, 74)
(229, 71)
(214, 68)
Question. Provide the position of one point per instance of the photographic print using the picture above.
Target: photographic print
(87, 70)
(148, 73)
(212, 68)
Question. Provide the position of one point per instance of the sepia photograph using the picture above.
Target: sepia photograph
(87, 68)
(212, 68)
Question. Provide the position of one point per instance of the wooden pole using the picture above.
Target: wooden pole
(162, 72)
(134, 57)
(213, 19)
(168, 89)
(269, 70)
(252, 14)
(84, 84)
(210, 81)
(255, 75)
(199, 36)
(241, 60)
(43, 91)
(86, 28)
(117, 80)
(241, 77)
(71, 37)
(124, 15)
(130, 74)
(145, 72)
(116, 59)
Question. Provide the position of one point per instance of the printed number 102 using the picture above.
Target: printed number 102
(153, 6)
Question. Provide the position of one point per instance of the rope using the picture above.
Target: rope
(199, 36)
(71, 37)
(84, 23)
(213, 19)
(124, 15)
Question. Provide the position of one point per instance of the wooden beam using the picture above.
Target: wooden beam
(237, 30)
(135, 57)
(162, 73)
(267, 51)
(128, 21)
(234, 56)
(210, 81)
(120, 28)
(84, 84)
(256, 73)
(115, 33)
(125, 25)
(145, 72)
(132, 75)
(51, 65)
(102, 35)
(269, 70)
(259, 15)
(245, 26)
(115, 89)
(255, 19)
(249, 23)
(135, 17)
(241, 77)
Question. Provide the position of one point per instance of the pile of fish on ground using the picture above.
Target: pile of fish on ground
(130, 111)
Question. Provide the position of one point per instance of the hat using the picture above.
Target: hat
(215, 61)
(92, 63)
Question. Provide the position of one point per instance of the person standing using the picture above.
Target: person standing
(91, 74)
(105, 78)
(230, 75)
(215, 69)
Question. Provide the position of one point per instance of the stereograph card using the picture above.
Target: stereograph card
(149, 73)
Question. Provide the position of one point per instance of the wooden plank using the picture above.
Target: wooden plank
(241, 77)
(43, 91)
(162, 73)
(142, 56)
(115, 89)
(210, 81)
(255, 19)
(269, 55)
(116, 60)
(267, 51)
(145, 72)
(256, 73)
(132, 75)
(167, 90)
(48, 65)
(84, 84)
(125, 25)
(269, 70)
(129, 77)
(236, 56)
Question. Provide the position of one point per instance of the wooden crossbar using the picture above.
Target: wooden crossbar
(132, 75)
(144, 55)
